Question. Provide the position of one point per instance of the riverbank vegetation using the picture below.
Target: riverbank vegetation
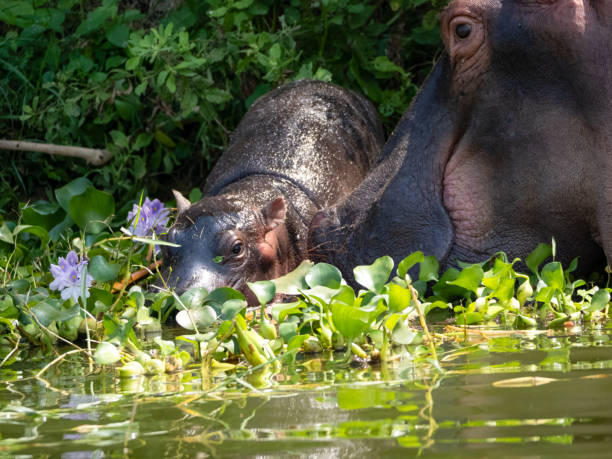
(161, 85)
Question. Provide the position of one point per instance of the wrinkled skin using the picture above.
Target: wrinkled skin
(298, 149)
(508, 144)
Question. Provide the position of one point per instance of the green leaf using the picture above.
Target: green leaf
(194, 297)
(220, 295)
(143, 140)
(166, 347)
(287, 330)
(106, 354)
(171, 84)
(406, 336)
(90, 208)
(350, 321)
(118, 35)
(600, 300)
(469, 278)
(296, 342)
(295, 281)
(51, 310)
(374, 276)
(544, 295)
(264, 291)
(552, 274)
(505, 290)
(429, 269)
(42, 233)
(408, 262)
(200, 316)
(102, 270)
(280, 311)
(231, 308)
(469, 318)
(163, 138)
(120, 139)
(325, 275)
(345, 295)
(135, 298)
(67, 192)
(537, 257)
(43, 213)
(399, 297)
(6, 234)
(559, 322)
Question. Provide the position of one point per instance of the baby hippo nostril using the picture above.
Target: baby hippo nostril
(463, 30)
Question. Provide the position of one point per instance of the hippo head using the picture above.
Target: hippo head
(508, 144)
(226, 243)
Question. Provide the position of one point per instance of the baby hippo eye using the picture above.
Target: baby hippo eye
(237, 248)
(463, 30)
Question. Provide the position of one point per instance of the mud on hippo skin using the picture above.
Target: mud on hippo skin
(298, 149)
(508, 143)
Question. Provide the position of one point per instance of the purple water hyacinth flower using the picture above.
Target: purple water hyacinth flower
(153, 218)
(67, 276)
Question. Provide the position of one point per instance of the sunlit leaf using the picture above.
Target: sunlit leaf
(553, 275)
(600, 300)
(374, 276)
(350, 321)
(325, 275)
(292, 283)
(404, 266)
(429, 269)
(231, 308)
(264, 291)
(106, 354)
(537, 257)
(399, 297)
(199, 317)
(469, 278)
(194, 297)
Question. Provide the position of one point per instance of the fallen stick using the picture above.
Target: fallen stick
(136, 276)
(93, 156)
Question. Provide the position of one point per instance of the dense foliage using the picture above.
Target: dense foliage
(163, 84)
(69, 271)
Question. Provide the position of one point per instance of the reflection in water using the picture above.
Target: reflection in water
(536, 394)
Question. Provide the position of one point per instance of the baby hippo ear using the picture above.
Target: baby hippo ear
(182, 203)
(274, 213)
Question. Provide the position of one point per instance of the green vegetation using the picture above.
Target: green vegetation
(161, 86)
(67, 271)
(162, 89)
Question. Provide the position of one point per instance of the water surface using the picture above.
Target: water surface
(503, 394)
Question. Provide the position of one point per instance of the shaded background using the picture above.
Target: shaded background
(162, 84)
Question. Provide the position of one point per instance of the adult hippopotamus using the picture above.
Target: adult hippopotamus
(508, 143)
(298, 149)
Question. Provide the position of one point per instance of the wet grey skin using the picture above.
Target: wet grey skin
(507, 144)
(298, 149)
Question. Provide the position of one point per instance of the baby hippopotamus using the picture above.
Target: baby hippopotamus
(299, 148)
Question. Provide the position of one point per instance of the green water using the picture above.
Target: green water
(527, 395)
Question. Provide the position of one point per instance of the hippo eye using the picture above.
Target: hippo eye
(463, 30)
(237, 248)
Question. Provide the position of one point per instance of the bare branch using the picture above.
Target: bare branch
(93, 156)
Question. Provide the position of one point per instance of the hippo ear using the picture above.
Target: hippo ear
(182, 203)
(275, 213)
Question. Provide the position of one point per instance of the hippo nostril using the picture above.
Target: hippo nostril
(463, 30)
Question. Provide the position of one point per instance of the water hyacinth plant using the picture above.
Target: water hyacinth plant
(149, 218)
(67, 275)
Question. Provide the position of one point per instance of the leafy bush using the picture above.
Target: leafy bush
(163, 87)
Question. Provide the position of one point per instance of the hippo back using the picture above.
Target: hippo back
(317, 136)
